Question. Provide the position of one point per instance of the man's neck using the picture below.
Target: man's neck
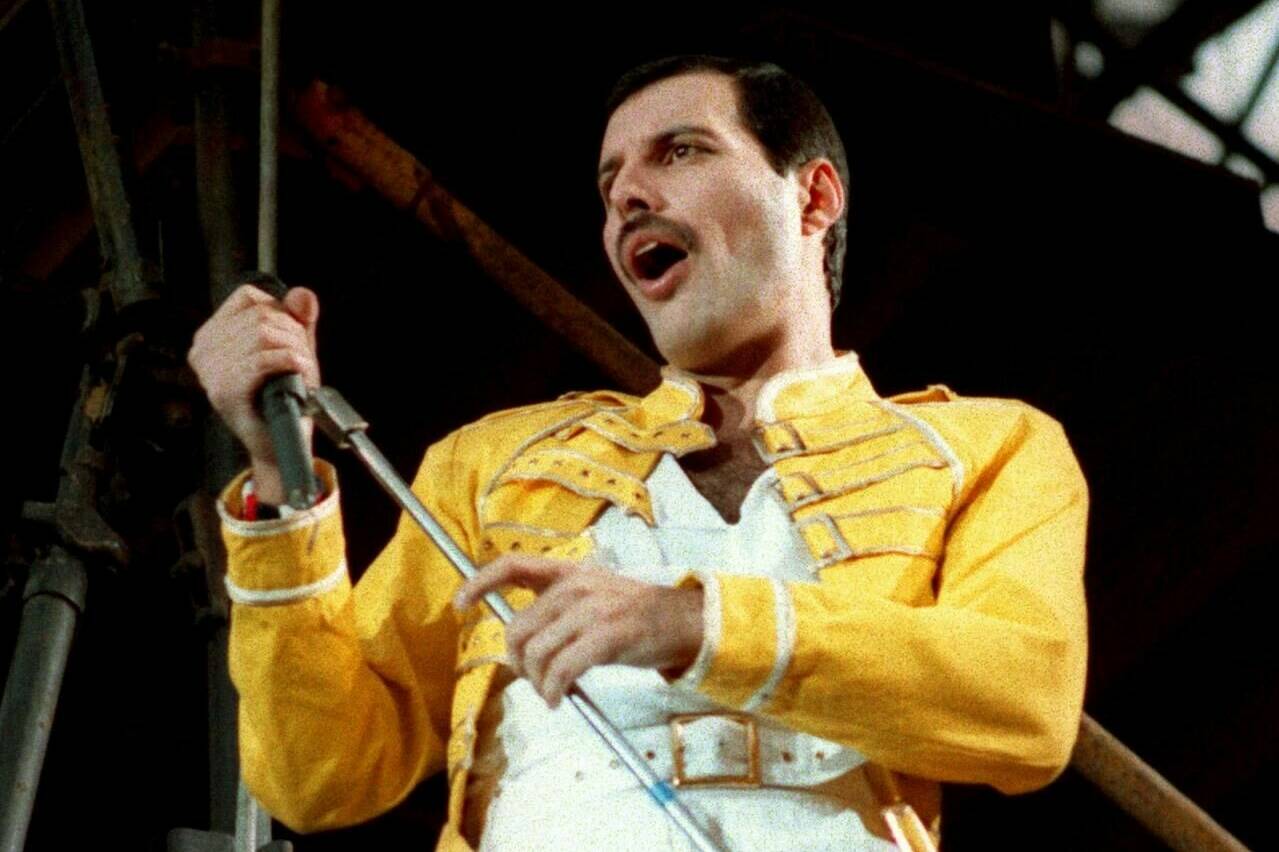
(732, 393)
(724, 474)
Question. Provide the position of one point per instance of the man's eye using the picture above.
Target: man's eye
(679, 152)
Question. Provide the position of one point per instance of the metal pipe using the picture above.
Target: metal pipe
(215, 190)
(252, 822)
(268, 142)
(52, 602)
(55, 592)
(217, 205)
(341, 423)
(116, 235)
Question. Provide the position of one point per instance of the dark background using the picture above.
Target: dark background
(1003, 241)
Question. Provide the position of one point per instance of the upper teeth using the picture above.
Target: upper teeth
(647, 247)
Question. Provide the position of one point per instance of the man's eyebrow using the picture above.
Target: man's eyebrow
(664, 138)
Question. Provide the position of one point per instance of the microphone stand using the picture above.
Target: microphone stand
(282, 397)
(337, 419)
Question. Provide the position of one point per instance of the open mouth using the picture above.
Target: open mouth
(653, 259)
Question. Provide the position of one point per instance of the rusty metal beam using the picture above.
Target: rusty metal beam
(1147, 796)
(361, 147)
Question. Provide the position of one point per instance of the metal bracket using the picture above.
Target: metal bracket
(335, 416)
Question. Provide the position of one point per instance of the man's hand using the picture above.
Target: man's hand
(586, 616)
(250, 338)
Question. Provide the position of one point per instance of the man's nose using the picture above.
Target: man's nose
(633, 191)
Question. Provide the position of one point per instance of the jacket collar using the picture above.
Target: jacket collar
(787, 395)
(818, 390)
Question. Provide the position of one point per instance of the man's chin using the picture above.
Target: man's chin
(696, 354)
(697, 339)
(714, 353)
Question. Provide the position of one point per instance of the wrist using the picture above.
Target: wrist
(268, 485)
(691, 631)
(255, 508)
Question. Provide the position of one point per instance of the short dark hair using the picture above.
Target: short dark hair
(780, 110)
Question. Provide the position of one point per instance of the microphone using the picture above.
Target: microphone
(280, 402)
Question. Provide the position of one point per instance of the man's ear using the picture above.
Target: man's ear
(821, 193)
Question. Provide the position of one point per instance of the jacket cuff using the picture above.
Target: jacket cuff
(282, 560)
(691, 679)
(749, 639)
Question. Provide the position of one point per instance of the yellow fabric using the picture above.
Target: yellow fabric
(943, 635)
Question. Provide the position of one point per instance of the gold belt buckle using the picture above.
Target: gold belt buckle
(752, 776)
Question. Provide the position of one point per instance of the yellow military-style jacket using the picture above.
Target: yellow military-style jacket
(942, 633)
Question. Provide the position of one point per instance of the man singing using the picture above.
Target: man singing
(797, 599)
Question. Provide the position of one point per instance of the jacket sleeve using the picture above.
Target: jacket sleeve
(344, 692)
(986, 685)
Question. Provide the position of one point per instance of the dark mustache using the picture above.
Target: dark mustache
(646, 220)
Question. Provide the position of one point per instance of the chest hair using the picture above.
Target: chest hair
(723, 475)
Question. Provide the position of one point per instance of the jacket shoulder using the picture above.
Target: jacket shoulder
(941, 402)
(932, 393)
(981, 431)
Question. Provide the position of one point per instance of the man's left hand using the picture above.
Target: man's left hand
(586, 616)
